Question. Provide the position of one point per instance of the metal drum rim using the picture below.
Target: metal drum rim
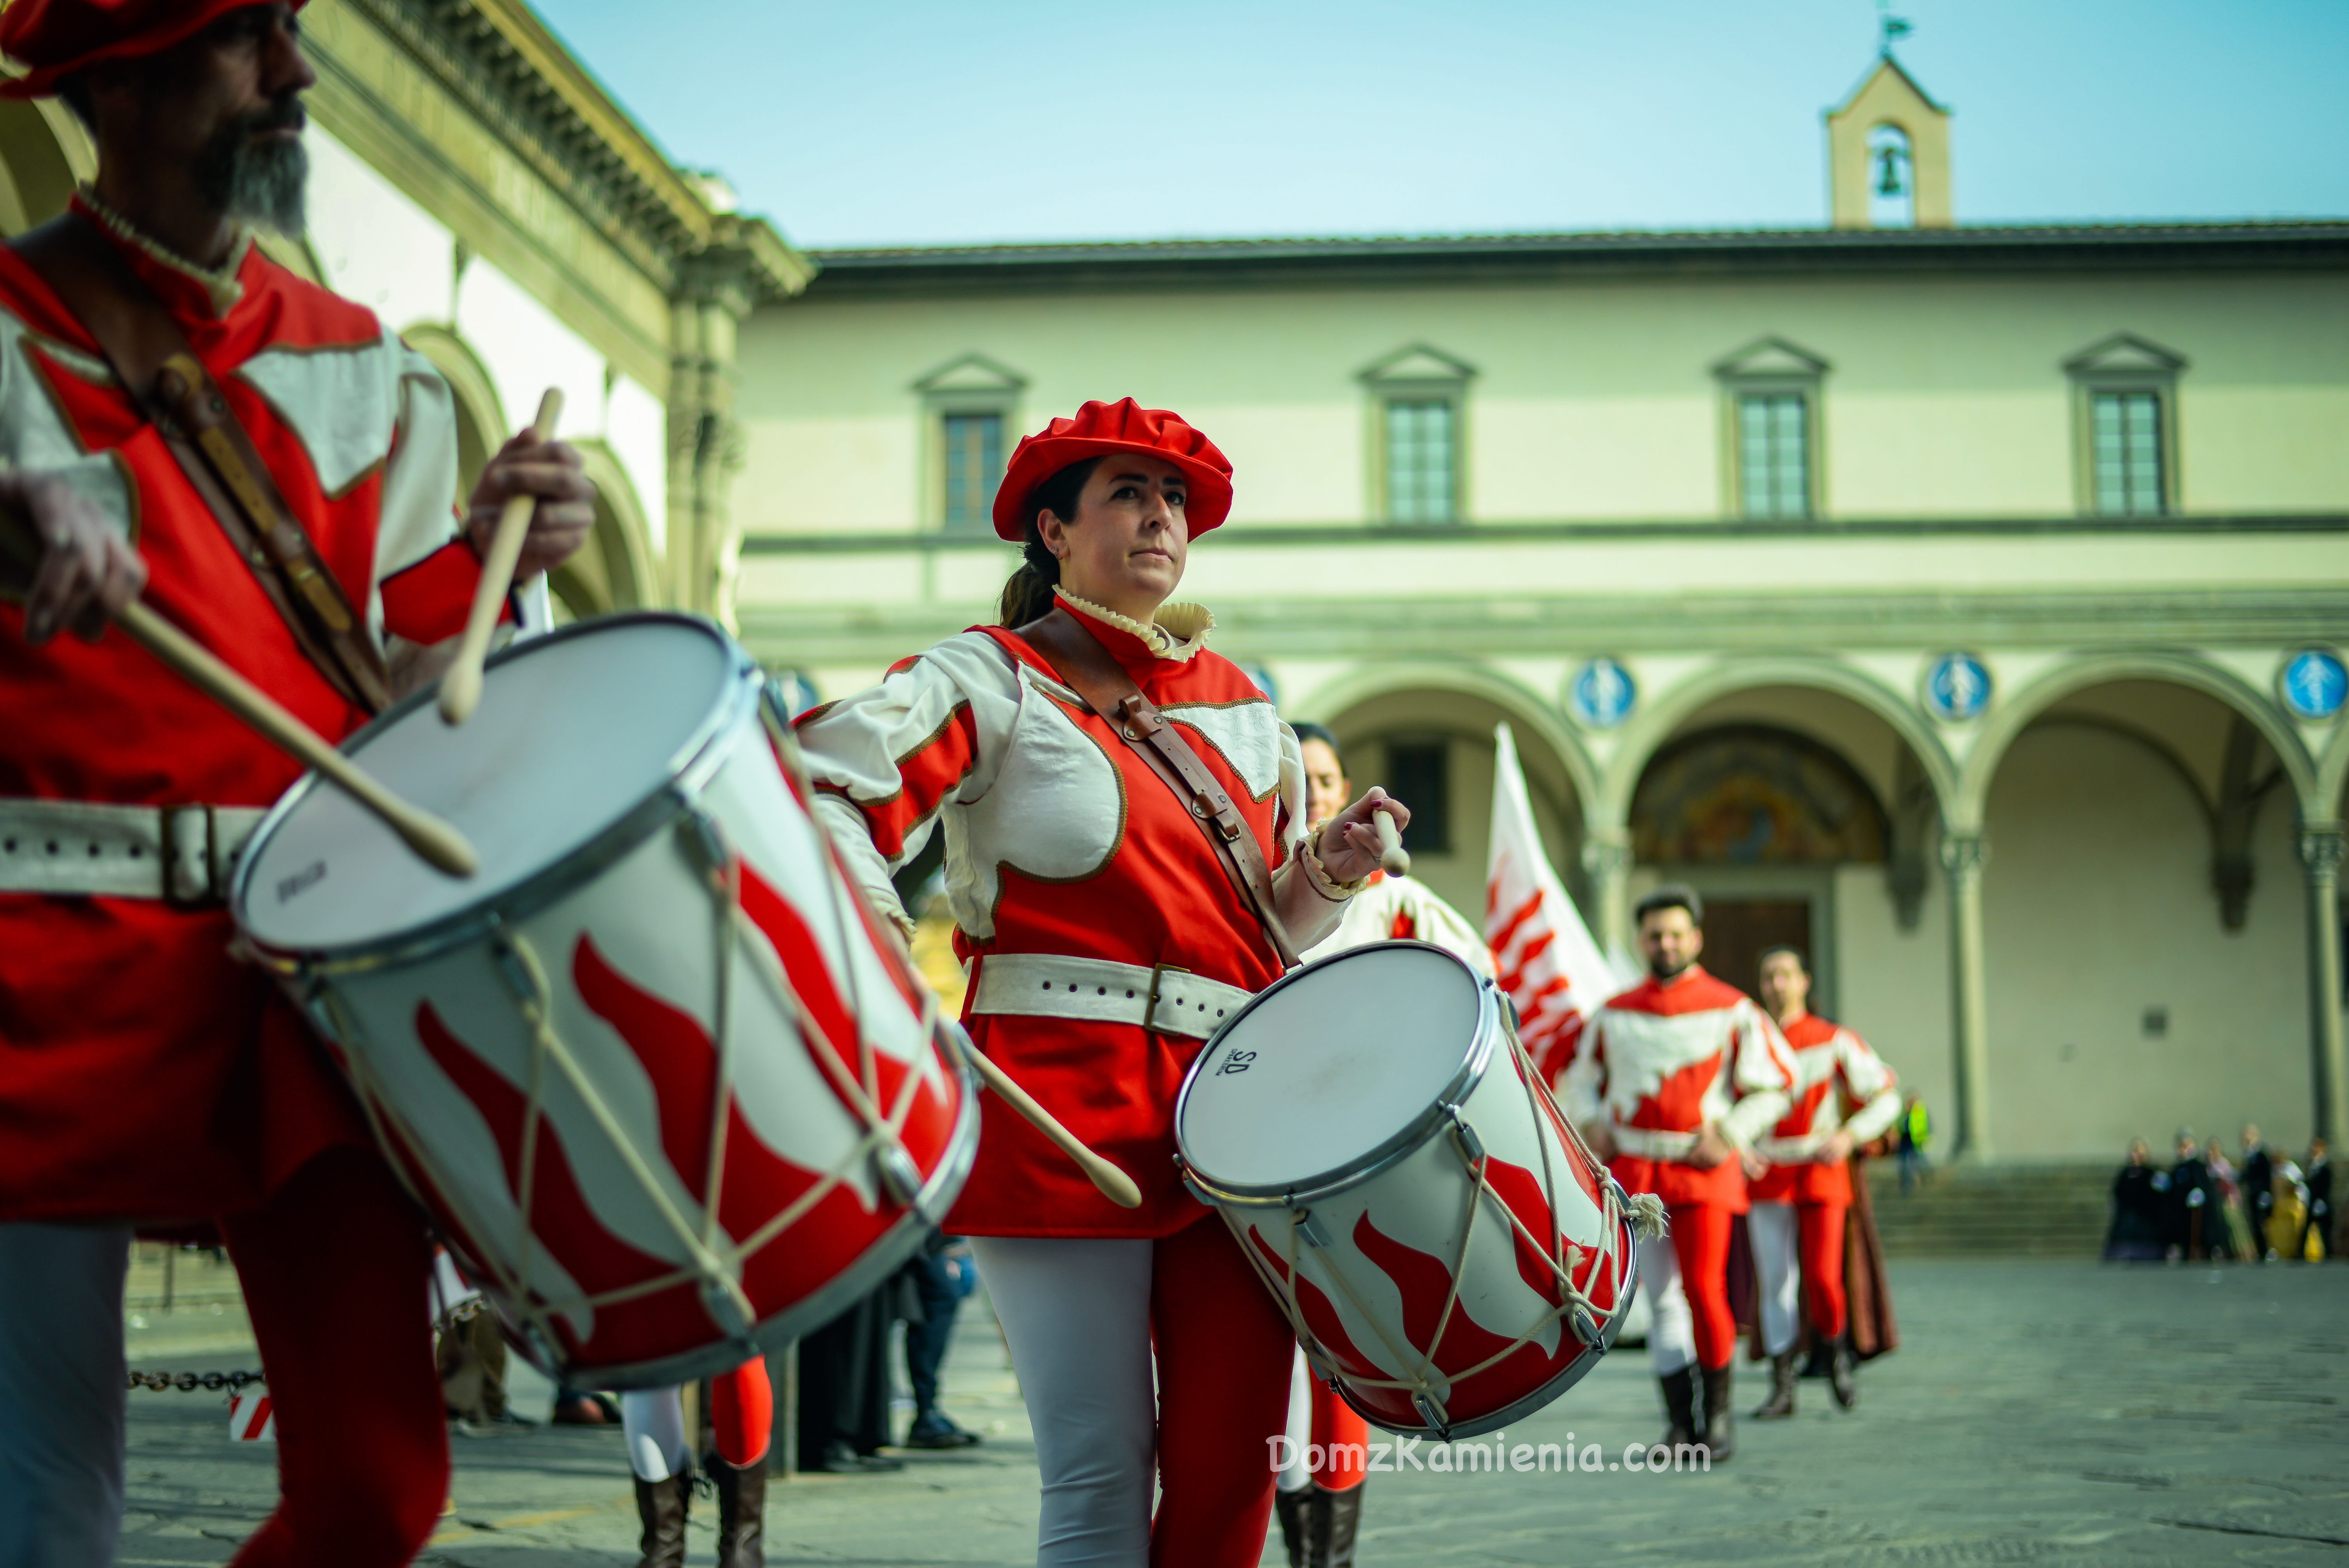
(1395, 1149)
(710, 744)
(886, 1254)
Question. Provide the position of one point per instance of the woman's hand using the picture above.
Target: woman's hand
(1349, 845)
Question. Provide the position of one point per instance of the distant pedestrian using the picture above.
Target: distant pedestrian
(1914, 1129)
(943, 1275)
(2316, 1231)
(2227, 1230)
(2289, 1219)
(2258, 1182)
(2135, 1235)
(2188, 1209)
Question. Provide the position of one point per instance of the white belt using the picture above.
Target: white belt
(1046, 986)
(181, 854)
(1800, 1150)
(1648, 1143)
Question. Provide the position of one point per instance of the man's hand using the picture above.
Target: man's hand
(87, 570)
(1755, 1166)
(1601, 1139)
(1835, 1150)
(1349, 845)
(551, 470)
(1711, 1149)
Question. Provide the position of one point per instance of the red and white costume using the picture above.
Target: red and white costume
(1659, 1065)
(145, 1074)
(1073, 873)
(1388, 909)
(1799, 1203)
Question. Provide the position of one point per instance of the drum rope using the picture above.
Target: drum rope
(729, 880)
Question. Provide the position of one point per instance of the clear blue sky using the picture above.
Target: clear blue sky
(917, 122)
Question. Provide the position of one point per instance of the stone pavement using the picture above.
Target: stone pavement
(2040, 1412)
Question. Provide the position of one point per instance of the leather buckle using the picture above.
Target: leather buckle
(1150, 1012)
(208, 891)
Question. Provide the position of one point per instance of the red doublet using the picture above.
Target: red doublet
(1834, 1073)
(1136, 881)
(144, 1073)
(1674, 1058)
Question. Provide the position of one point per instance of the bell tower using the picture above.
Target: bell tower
(1888, 152)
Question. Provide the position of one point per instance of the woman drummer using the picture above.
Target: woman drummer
(1107, 936)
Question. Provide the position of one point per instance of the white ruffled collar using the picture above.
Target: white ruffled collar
(222, 285)
(1176, 634)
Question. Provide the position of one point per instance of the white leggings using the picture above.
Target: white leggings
(1777, 1239)
(1076, 1313)
(62, 1400)
(653, 1421)
(1672, 1330)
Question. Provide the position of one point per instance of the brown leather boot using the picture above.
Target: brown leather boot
(1843, 1374)
(1720, 1420)
(1679, 1407)
(1337, 1519)
(1292, 1508)
(661, 1506)
(742, 1512)
(1782, 1377)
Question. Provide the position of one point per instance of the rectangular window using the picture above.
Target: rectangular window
(973, 467)
(2125, 429)
(1774, 454)
(1420, 472)
(1419, 777)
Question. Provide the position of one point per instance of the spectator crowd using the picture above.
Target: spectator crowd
(2265, 1207)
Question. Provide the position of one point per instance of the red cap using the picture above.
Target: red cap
(1120, 426)
(53, 40)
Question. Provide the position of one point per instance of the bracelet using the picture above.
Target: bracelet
(1318, 877)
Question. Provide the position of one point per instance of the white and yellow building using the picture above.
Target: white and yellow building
(1964, 603)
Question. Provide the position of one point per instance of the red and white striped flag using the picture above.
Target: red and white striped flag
(1550, 967)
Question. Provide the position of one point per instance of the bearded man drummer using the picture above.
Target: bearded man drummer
(1671, 1083)
(145, 1076)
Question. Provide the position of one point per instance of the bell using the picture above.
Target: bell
(1889, 182)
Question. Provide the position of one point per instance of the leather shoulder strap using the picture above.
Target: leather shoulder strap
(169, 384)
(1095, 674)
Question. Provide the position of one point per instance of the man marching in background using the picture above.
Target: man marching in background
(1804, 1191)
(1670, 1084)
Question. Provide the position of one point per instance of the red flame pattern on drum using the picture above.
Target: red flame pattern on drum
(560, 1218)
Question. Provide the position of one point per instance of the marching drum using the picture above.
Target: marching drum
(671, 1095)
(1451, 1255)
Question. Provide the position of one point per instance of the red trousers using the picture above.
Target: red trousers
(1222, 1350)
(1343, 1439)
(335, 1269)
(742, 1413)
(1821, 1226)
(1701, 1243)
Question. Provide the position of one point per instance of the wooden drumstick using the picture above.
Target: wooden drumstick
(438, 843)
(1114, 1184)
(1393, 859)
(460, 688)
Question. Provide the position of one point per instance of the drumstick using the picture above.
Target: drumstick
(460, 688)
(1393, 859)
(1114, 1184)
(438, 843)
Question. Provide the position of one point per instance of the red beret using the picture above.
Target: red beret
(54, 39)
(1120, 426)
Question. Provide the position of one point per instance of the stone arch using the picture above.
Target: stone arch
(1656, 721)
(2009, 719)
(2332, 775)
(481, 427)
(614, 570)
(1534, 719)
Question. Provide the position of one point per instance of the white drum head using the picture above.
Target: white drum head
(573, 731)
(1347, 1055)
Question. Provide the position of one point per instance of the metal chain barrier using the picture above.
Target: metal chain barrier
(190, 1382)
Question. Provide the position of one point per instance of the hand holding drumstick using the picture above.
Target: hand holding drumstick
(1365, 837)
(78, 572)
(532, 510)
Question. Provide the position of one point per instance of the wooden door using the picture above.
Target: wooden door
(1738, 931)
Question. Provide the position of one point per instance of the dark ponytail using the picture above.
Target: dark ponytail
(1028, 596)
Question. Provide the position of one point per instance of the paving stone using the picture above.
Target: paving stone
(2038, 1412)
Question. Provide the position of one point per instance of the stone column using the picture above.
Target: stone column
(705, 445)
(2320, 857)
(1963, 852)
(1607, 861)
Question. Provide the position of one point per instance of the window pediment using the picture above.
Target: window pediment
(2126, 354)
(972, 373)
(1768, 356)
(1417, 363)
